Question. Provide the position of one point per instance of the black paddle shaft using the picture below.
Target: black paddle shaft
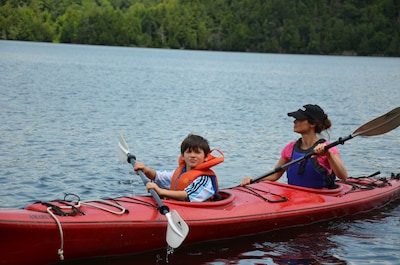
(341, 140)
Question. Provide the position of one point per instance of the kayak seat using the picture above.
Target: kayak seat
(217, 197)
(221, 196)
(336, 186)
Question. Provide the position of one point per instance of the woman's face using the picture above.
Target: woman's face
(193, 157)
(303, 126)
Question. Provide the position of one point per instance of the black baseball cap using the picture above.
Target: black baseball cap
(309, 112)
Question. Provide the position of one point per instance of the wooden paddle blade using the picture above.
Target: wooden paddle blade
(177, 229)
(380, 125)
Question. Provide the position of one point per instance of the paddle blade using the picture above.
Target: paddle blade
(123, 149)
(380, 125)
(177, 229)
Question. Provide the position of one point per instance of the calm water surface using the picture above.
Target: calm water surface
(63, 106)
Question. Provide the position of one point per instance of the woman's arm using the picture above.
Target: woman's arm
(273, 177)
(334, 160)
(337, 165)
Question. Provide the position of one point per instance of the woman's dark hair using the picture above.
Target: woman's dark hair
(321, 125)
(195, 142)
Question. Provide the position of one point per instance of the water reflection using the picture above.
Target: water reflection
(302, 245)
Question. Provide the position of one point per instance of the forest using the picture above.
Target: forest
(337, 27)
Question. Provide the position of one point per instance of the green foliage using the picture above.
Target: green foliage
(275, 26)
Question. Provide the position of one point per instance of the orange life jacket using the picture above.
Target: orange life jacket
(181, 180)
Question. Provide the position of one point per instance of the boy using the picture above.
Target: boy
(193, 180)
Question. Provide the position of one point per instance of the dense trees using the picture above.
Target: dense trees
(285, 26)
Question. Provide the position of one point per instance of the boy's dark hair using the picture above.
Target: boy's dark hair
(195, 142)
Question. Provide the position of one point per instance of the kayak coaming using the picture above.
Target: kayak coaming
(143, 228)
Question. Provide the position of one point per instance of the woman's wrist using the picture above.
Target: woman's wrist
(328, 154)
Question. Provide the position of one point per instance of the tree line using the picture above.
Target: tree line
(356, 27)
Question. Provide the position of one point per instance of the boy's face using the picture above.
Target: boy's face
(193, 157)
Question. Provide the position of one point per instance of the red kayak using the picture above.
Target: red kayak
(47, 232)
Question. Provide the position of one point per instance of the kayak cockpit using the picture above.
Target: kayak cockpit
(337, 190)
(224, 198)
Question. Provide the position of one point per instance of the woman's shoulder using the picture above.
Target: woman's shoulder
(290, 145)
(287, 150)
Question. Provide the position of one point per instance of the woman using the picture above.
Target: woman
(320, 170)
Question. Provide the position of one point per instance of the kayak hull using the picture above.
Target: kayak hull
(133, 224)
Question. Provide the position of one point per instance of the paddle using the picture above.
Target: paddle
(377, 126)
(177, 229)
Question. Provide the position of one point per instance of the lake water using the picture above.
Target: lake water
(63, 107)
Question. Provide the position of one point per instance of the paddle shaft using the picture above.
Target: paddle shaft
(163, 209)
(300, 159)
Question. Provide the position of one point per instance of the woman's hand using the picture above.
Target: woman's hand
(245, 181)
(319, 150)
